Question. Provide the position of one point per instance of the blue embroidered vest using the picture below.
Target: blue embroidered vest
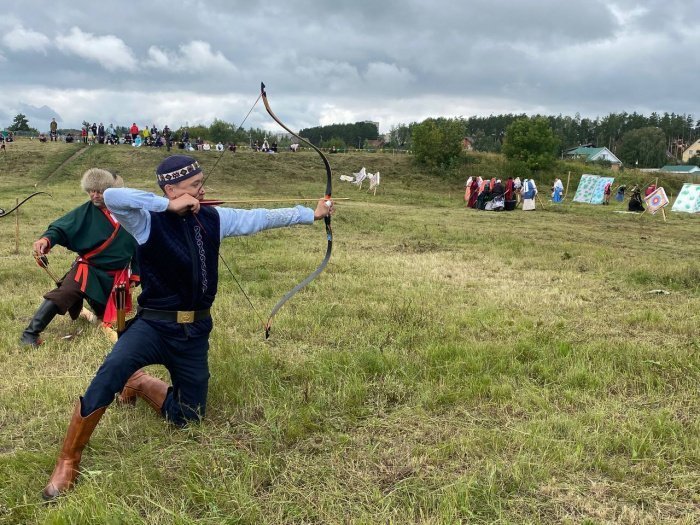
(179, 261)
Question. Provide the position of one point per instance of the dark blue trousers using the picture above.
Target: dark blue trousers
(182, 349)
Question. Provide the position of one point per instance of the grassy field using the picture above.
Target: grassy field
(449, 366)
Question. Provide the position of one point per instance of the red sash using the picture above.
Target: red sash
(81, 274)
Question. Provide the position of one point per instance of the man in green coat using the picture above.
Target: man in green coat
(105, 252)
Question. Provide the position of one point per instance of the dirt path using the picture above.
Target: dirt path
(64, 163)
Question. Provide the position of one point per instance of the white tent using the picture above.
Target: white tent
(688, 200)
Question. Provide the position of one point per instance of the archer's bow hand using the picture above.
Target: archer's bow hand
(184, 204)
(324, 208)
(42, 246)
(41, 260)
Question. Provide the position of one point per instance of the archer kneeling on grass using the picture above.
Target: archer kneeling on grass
(178, 245)
(105, 252)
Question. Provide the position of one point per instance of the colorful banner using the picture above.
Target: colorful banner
(688, 199)
(591, 189)
(656, 200)
(586, 188)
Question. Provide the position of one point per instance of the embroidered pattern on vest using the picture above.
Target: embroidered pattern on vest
(202, 256)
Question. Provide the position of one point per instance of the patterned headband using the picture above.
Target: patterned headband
(178, 173)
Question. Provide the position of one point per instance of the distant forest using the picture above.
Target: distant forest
(680, 130)
(487, 132)
(341, 135)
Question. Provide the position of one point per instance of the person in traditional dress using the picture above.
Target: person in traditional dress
(635, 203)
(529, 192)
(468, 189)
(509, 195)
(607, 190)
(498, 201)
(105, 252)
(517, 187)
(620, 195)
(650, 189)
(484, 195)
(474, 192)
(557, 190)
(178, 246)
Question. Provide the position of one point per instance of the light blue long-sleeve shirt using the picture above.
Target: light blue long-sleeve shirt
(131, 208)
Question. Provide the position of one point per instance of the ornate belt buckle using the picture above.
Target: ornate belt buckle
(185, 316)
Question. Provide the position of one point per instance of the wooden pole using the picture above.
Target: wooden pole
(566, 192)
(17, 227)
(664, 214)
(541, 201)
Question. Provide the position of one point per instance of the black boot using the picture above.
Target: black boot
(43, 316)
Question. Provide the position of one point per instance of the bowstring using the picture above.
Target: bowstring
(209, 172)
(221, 257)
(240, 286)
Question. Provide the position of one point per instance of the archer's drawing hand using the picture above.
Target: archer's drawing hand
(184, 204)
(41, 246)
(324, 208)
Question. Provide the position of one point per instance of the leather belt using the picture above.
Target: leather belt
(177, 316)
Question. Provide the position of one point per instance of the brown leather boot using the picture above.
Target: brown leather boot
(147, 387)
(77, 436)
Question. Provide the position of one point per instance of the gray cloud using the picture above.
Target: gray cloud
(394, 61)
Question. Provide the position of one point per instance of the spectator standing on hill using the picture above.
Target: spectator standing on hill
(53, 130)
(104, 254)
(146, 134)
(101, 133)
(166, 135)
(134, 130)
(178, 245)
(84, 135)
(111, 135)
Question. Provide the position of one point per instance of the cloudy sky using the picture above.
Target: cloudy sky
(391, 61)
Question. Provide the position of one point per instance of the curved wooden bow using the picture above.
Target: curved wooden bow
(327, 220)
(4, 213)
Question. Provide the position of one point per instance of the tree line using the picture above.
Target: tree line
(341, 136)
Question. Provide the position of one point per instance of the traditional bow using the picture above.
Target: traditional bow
(327, 219)
(4, 213)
